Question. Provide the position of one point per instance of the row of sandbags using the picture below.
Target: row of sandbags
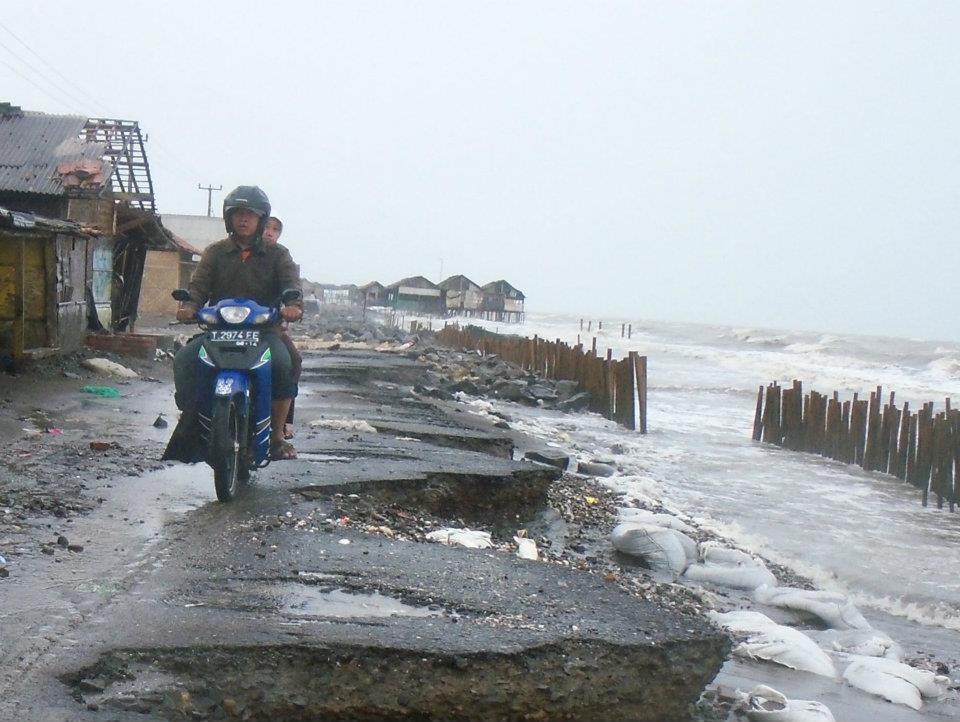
(873, 660)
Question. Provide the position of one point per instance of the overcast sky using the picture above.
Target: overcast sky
(787, 164)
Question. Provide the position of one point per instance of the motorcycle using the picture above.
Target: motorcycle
(234, 397)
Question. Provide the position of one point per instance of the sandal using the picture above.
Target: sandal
(282, 451)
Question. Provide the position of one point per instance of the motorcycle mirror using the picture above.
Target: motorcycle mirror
(181, 294)
(290, 295)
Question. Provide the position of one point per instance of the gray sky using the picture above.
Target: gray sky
(789, 164)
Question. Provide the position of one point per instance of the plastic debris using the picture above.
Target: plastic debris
(774, 642)
(836, 610)
(106, 366)
(470, 538)
(765, 704)
(526, 548)
(107, 392)
(661, 548)
(343, 425)
(344, 541)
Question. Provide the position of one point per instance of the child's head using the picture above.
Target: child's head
(273, 229)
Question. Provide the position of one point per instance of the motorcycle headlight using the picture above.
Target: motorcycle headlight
(262, 317)
(234, 314)
(208, 316)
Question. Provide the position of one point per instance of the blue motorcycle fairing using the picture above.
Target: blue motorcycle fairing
(227, 368)
(229, 383)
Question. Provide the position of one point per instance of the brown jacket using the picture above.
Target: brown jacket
(222, 273)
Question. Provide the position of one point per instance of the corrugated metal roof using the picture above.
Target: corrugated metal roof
(31, 222)
(32, 145)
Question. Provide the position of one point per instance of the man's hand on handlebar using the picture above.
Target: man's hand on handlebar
(185, 314)
(291, 313)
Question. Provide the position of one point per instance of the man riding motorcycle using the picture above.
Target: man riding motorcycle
(242, 265)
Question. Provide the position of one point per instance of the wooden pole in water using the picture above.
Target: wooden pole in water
(903, 444)
(846, 452)
(629, 330)
(641, 371)
(757, 417)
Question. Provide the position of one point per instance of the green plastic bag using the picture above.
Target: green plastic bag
(106, 391)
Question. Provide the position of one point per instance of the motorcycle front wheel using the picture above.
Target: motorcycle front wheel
(225, 436)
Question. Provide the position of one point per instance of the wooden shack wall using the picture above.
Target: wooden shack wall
(69, 300)
(161, 275)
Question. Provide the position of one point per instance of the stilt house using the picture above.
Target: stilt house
(502, 302)
(463, 296)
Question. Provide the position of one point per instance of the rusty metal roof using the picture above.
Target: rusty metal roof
(48, 154)
(27, 222)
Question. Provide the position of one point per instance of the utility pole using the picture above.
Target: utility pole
(209, 190)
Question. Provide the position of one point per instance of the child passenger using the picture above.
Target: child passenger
(271, 234)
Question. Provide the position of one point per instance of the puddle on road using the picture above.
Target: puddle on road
(304, 600)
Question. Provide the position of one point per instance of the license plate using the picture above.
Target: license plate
(238, 338)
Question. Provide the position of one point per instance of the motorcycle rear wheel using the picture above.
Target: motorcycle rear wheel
(225, 448)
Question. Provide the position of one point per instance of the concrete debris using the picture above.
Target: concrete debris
(343, 425)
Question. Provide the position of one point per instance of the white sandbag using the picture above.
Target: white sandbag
(765, 704)
(343, 425)
(776, 643)
(891, 688)
(659, 547)
(863, 642)
(714, 553)
(835, 609)
(894, 680)
(111, 368)
(735, 577)
(463, 537)
(643, 516)
(526, 548)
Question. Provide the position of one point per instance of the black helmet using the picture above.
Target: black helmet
(246, 197)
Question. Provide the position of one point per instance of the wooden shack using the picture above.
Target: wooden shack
(372, 294)
(463, 297)
(415, 295)
(44, 279)
(93, 172)
(502, 302)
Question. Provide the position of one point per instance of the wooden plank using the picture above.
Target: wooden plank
(758, 416)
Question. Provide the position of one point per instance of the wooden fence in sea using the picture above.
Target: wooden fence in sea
(921, 448)
(617, 388)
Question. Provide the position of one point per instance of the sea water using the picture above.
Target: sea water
(864, 534)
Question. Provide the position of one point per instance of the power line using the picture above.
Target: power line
(34, 83)
(51, 66)
(85, 100)
(64, 92)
